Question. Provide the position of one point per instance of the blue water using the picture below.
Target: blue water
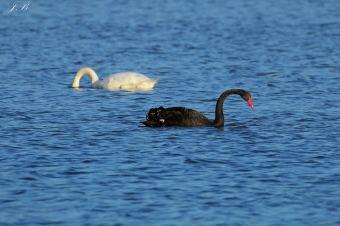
(81, 157)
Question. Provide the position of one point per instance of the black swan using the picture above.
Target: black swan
(181, 116)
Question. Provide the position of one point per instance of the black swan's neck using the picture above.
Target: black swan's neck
(219, 117)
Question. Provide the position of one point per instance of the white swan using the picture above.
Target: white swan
(123, 80)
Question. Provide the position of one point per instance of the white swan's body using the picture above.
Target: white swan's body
(123, 80)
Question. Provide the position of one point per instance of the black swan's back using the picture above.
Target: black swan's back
(175, 116)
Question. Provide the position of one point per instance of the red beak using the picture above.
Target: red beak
(250, 102)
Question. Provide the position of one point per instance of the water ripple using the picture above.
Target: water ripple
(82, 156)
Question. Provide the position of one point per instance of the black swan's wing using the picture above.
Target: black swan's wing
(175, 116)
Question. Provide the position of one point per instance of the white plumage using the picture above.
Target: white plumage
(122, 80)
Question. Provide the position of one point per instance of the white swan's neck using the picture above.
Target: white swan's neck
(81, 73)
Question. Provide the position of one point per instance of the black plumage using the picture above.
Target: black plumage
(181, 116)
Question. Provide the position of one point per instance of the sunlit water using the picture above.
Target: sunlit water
(81, 157)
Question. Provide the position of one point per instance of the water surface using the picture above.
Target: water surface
(81, 157)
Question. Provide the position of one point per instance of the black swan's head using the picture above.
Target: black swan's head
(247, 97)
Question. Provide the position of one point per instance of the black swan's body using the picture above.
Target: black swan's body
(181, 116)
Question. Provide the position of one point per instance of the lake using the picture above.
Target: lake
(82, 157)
